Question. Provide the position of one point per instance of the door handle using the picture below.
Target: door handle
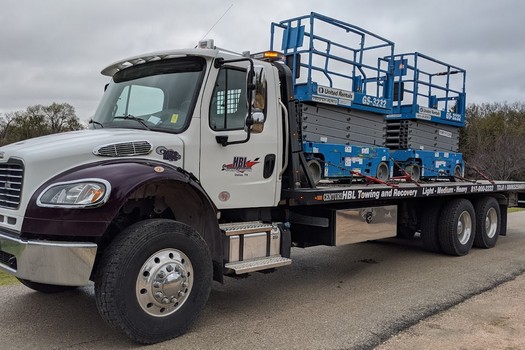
(269, 165)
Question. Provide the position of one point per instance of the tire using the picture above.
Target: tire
(488, 222)
(382, 172)
(414, 170)
(429, 228)
(458, 171)
(405, 223)
(316, 171)
(45, 288)
(457, 227)
(153, 280)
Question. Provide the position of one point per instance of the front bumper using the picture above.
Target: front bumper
(50, 262)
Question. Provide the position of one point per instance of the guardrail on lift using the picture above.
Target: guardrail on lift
(337, 63)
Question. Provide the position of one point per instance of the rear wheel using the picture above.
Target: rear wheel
(154, 280)
(45, 288)
(457, 227)
(488, 222)
(382, 172)
(458, 171)
(414, 170)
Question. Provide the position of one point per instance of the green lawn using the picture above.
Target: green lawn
(6, 279)
(513, 210)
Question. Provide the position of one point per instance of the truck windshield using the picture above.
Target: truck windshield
(158, 96)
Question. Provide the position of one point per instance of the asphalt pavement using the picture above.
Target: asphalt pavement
(492, 320)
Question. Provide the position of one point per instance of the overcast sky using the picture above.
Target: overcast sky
(53, 51)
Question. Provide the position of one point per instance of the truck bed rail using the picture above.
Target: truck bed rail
(360, 193)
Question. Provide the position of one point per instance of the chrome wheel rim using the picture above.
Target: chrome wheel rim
(464, 229)
(491, 223)
(164, 282)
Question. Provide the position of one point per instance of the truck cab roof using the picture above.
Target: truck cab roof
(161, 55)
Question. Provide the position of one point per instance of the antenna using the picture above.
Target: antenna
(213, 26)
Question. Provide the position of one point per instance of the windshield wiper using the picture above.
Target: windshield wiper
(91, 121)
(132, 117)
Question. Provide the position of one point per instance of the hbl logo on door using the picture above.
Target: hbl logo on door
(240, 165)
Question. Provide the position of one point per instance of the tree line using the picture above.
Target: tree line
(492, 143)
(38, 120)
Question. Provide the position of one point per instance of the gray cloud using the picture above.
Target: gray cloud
(53, 51)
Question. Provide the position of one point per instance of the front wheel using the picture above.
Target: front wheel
(154, 280)
(316, 171)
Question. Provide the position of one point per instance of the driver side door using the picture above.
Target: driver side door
(243, 174)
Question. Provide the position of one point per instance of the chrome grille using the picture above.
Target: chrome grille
(124, 149)
(11, 178)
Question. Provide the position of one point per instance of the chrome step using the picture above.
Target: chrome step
(241, 267)
(242, 228)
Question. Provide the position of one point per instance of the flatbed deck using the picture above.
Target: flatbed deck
(357, 193)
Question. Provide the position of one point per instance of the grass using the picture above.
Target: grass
(513, 210)
(6, 279)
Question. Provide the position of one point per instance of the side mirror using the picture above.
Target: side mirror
(256, 118)
(255, 121)
(260, 85)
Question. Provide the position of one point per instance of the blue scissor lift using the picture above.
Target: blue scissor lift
(428, 111)
(345, 89)
(367, 111)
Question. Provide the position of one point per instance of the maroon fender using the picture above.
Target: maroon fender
(125, 176)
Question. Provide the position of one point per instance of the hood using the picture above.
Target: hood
(47, 156)
(80, 143)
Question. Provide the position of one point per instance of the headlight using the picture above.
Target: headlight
(83, 193)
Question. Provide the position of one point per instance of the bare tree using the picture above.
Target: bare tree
(61, 117)
(38, 120)
(5, 123)
(493, 141)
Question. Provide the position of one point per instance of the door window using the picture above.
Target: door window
(228, 107)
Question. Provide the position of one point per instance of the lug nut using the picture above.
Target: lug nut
(165, 301)
(185, 285)
(181, 293)
(174, 300)
(161, 274)
(156, 285)
(159, 294)
(169, 268)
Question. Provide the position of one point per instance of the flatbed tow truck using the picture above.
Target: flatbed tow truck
(194, 168)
